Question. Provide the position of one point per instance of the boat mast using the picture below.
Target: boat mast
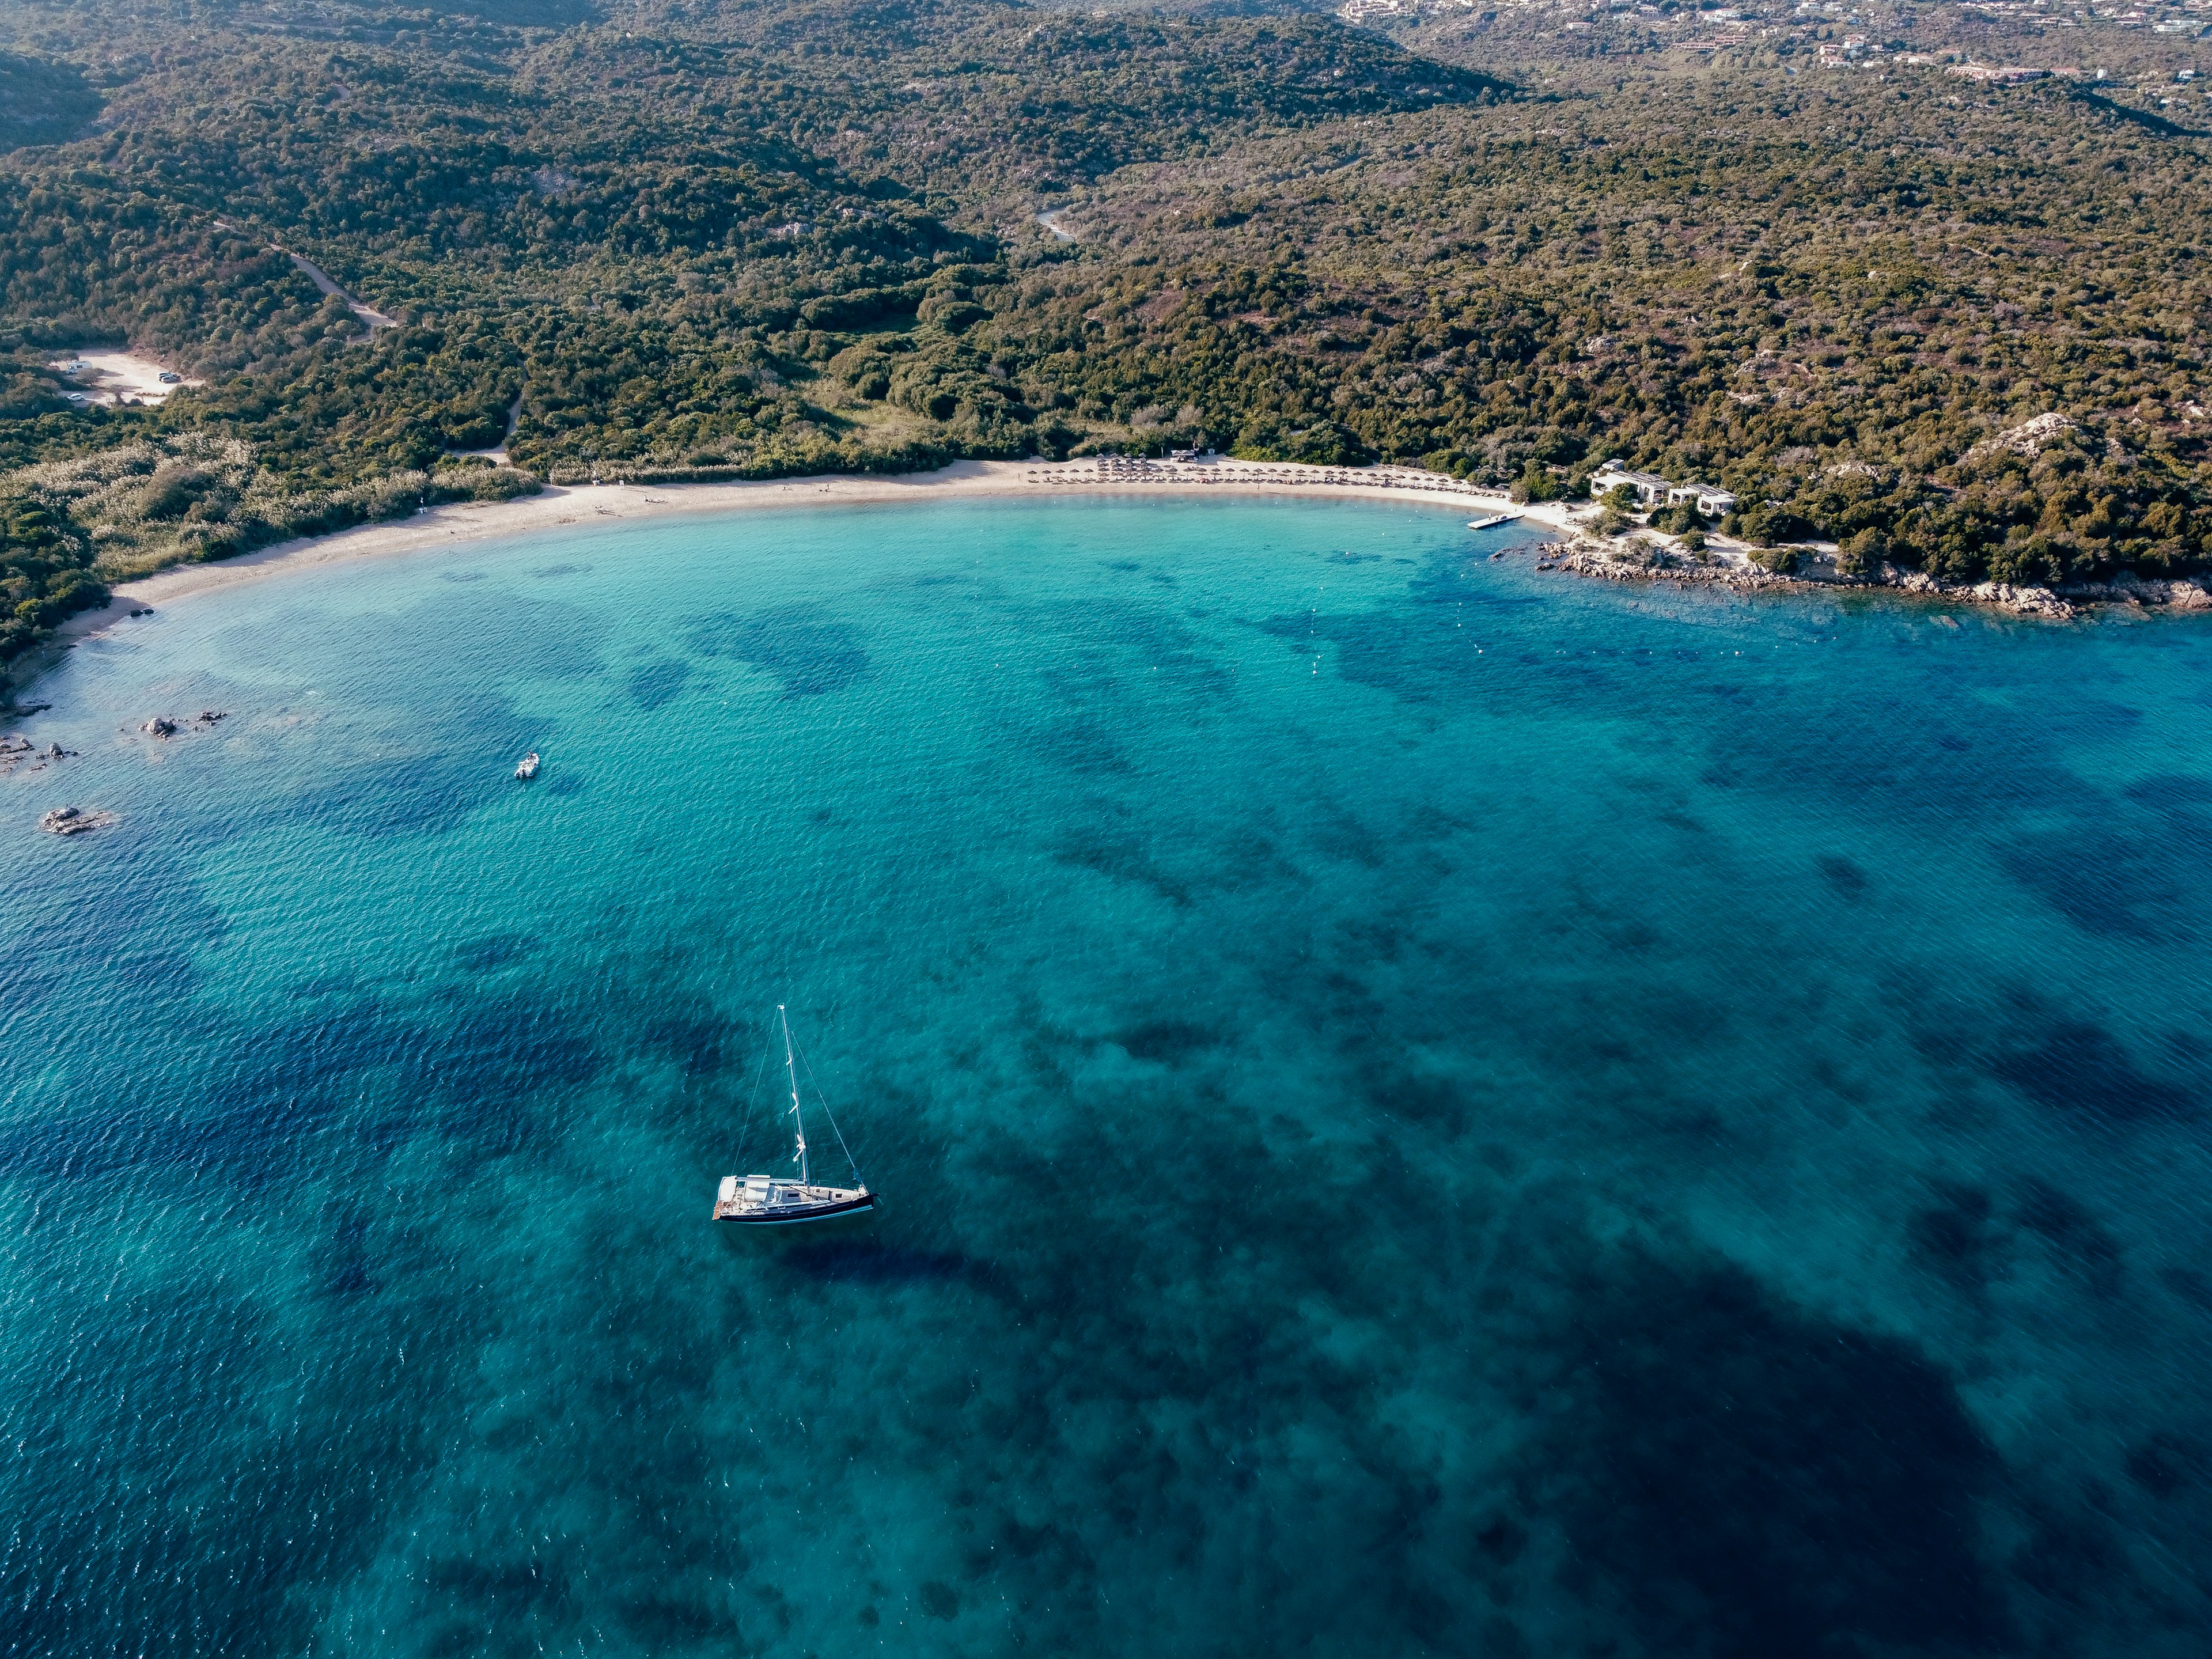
(791, 1065)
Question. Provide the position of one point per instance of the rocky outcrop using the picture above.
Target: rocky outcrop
(1636, 559)
(74, 821)
(22, 751)
(2023, 601)
(2188, 594)
(2029, 438)
(163, 727)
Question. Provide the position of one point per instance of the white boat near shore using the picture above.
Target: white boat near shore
(1494, 520)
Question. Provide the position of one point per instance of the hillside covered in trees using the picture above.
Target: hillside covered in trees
(691, 239)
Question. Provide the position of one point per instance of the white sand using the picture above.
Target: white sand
(456, 526)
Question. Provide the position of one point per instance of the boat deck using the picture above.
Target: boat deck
(763, 1198)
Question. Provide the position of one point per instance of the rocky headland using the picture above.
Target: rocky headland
(1643, 559)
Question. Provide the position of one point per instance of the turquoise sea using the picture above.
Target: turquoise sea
(1420, 1106)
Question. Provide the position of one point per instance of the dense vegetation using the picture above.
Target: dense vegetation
(744, 239)
(43, 570)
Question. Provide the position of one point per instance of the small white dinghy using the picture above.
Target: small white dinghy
(763, 1201)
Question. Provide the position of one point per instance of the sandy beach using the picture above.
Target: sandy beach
(459, 526)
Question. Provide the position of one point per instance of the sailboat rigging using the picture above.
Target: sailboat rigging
(765, 1200)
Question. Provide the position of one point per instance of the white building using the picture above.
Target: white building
(1712, 502)
(1650, 489)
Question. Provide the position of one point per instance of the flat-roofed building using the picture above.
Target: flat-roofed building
(1713, 502)
(1650, 489)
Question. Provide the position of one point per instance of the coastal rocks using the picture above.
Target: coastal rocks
(2022, 601)
(1635, 559)
(74, 821)
(1638, 560)
(2128, 588)
(2189, 596)
(163, 728)
(15, 751)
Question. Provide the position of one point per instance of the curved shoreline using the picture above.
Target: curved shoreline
(467, 523)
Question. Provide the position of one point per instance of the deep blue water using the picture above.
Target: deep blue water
(1420, 1106)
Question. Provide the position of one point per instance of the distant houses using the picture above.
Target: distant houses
(2003, 75)
(1654, 491)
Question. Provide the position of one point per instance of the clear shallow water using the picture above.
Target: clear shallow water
(1421, 1106)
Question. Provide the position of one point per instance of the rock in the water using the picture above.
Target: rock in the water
(74, 821)
(158, 727)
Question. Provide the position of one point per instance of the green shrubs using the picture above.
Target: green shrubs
(481, 483)
(726, 264)
(1536, 483)
(1861, 554)
(44, 572)
(174, 490)
(1679, 519)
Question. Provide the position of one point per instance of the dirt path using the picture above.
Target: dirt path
(321, 278)
(497, 453)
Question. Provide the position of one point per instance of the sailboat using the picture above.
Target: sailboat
(764, 1201)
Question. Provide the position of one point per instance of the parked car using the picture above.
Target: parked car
(169, 377)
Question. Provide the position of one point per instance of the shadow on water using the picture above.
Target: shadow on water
(854, 1251)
